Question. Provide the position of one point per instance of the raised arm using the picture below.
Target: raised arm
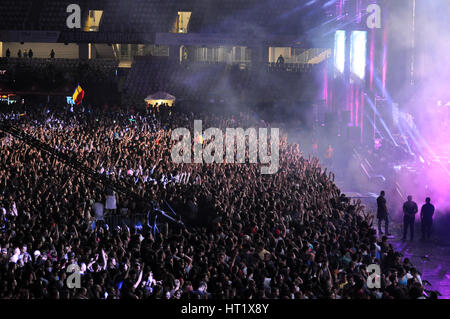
(139, 278)
(105, 259)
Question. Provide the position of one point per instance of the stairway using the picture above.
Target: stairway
(313, 56)
(104, 51)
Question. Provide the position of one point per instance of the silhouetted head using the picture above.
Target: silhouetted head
(409, 198)
(382, 193)
(428, 200)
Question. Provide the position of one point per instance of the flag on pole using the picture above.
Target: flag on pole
(78, 95)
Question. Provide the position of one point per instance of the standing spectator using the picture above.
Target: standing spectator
(25, 53)
(8, 53)
(280, 59)
(315, 148)
(382, 214)
(98, 212)
(30, 53)
(52, 54)
(19, 53)
(111, 204)
(426, 216)
(329, 156)
(409, 210)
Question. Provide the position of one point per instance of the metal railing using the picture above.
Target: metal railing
(131, 220)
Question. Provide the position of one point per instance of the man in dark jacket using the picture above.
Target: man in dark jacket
(426, 215)
(382, 214)
(409, 210)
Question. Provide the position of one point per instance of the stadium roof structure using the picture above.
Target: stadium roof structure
(138, 21)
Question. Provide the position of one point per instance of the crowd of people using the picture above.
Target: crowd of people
(237, 235)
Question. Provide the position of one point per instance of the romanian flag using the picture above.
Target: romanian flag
(199, 139)
(78, 95)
